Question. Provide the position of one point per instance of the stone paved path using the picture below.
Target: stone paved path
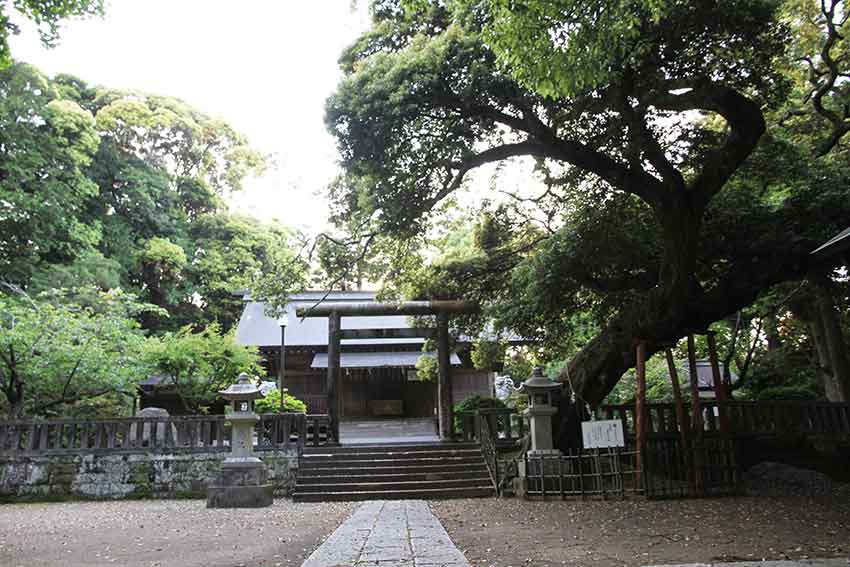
(397, 533)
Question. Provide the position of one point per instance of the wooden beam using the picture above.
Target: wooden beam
(444, 380)
(361, 309)
(415, 333)
(333, 373)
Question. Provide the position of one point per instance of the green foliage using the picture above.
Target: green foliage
(487, 354)
(123, 189)
(271, 403)
(783, 374)
(427, 368)
(45, 146)
(662, 206)
(233, 252)
(65, 354)
(564, 47)
(197, 365)
(517, 401)
(519, 364)
(47, 16)
(90, 269)
(473, 403)
(658, 387)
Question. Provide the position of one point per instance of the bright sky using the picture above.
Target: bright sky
(266, 67)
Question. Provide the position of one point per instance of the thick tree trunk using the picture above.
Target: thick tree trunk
(666, 316)
(662, 317)
(837, 381)
(14, 391)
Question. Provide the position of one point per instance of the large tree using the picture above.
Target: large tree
(647, 120)
(127, 189)
(46, 143)
(59, 350)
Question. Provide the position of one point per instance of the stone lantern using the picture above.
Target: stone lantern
(541, 408)
(242, 482)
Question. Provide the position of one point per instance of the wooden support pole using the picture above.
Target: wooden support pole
(282, 372)
(695, 459)
(334, 324)
(640, 407)
(696, 410)
(719, 387)
(677, 399)
(444, 381)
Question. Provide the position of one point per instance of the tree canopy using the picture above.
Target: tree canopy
(672, 141)
(62, 351)
(127, 189)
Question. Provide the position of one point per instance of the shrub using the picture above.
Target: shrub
(271, 403)
(427, 368)
(475, 402)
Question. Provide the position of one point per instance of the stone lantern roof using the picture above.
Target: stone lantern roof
(243, 389)
(538, 381)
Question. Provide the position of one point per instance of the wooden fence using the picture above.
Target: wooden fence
(505, 425)
(176, 434)
(745, 419)
(664, 470)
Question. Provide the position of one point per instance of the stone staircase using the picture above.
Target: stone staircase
(390, 472)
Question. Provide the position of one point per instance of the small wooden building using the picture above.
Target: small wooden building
(378, 376)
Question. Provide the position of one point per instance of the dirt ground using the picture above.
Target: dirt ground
(513, 532)
(164, 533)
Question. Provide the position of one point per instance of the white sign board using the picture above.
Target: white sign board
(603, 433)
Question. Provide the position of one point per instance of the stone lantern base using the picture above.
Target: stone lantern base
(242, 483)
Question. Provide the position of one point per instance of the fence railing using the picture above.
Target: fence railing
(506, 426)
(597, 473)
(488, 448)
(706, 468)
(665, 470)
(823, 419)
(317, 404)
(175, 434)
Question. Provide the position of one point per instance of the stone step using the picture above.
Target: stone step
(368, 448)
(366, 469)
(382, 485)
(309, 464)
(334, 476)
(417, 494)
(394, 455)
(435, 470)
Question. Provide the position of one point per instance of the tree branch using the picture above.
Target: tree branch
(72, 399)
(746, 126)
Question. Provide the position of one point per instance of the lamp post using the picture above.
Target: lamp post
(242, 482)
(283, 321)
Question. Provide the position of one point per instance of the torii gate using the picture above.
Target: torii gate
(441, 309)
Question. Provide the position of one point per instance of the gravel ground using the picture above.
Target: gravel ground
(163, 533)
(514, 532)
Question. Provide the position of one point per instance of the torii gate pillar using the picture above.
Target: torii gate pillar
(444, 380)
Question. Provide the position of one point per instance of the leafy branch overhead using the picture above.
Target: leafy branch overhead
(47, 17)
(651, 124)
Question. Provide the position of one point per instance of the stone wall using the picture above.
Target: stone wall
(115, 476)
